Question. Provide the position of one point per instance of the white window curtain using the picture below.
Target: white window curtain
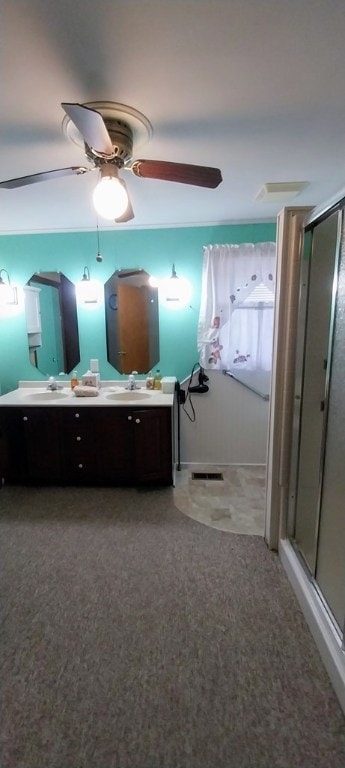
(235, 330)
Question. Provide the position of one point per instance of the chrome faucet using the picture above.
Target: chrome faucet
(53, 385)
(132, 384)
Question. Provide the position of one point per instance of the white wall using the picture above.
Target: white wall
(230, 428)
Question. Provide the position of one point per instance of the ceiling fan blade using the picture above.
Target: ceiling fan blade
(92, 127)
(199, 175)
(45, 176)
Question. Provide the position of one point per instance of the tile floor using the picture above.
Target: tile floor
(235, 504)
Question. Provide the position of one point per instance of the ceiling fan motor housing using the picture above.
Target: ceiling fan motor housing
(121, 137)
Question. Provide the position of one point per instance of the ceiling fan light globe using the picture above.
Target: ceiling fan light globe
(110, 198)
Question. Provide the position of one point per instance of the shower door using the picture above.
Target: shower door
(317, 486)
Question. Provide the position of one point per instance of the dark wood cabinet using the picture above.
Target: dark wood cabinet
(87, 445)
(78, 445)
(32, 444)
(152, 459)
(115, 452)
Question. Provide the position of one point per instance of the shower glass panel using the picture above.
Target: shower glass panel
(317, 295)
(330, 568)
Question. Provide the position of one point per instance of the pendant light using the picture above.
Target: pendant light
(87, 289)
(175, 292)
(8, 294)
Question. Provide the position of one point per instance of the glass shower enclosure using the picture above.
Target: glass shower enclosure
(316, 519)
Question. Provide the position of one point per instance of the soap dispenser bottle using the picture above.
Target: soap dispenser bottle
(74, 380)
(158, 380)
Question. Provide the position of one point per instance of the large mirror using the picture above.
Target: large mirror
(52, 323)
(132, 321)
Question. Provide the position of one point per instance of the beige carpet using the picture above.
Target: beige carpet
(134, 637)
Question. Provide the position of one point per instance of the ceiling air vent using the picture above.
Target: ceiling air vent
(280, 192)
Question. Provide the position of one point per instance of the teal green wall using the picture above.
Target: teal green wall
(153, 250)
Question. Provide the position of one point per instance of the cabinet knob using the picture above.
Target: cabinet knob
(137, 421)
(25, 418)
(78, 438)
(80, 466)
(76, 415)
(129, 418)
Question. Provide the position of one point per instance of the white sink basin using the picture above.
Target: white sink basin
(128, 394)
(47, 395)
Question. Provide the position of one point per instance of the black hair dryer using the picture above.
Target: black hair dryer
(201, 387)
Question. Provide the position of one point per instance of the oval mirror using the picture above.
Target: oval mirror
(52, 323)
(131, 321)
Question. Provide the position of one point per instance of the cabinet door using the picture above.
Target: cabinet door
(42, 444)
(32, 444)
(32, 309)
(114, 445)
(13, 435)
(152, 445)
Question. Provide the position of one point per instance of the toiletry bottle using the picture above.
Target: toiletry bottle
(150, 381)
(74, 380)
(158, 380)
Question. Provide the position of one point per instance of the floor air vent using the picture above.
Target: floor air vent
(207, 476)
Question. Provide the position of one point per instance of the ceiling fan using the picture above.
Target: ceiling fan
(106, 130)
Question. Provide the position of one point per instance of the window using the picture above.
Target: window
(235, 330)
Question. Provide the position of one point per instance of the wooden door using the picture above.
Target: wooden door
(133, 328)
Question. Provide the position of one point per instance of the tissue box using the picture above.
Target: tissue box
(90, 380)
(168, 385)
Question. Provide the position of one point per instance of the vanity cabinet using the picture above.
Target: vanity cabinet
(88, 445)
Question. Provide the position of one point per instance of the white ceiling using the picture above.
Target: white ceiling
(255, 88)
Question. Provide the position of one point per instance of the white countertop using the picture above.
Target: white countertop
(111, 393)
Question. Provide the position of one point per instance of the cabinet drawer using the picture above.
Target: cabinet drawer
(78, 444)
(79, 461)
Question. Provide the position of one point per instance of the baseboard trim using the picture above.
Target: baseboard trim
(320, 625)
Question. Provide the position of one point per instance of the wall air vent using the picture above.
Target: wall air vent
(280, 192)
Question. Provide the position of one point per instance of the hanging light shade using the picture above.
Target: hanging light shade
(110, 196)
(175, 292)
(87, 289)
(8, 294)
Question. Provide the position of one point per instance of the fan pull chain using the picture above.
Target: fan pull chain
(98, 257)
